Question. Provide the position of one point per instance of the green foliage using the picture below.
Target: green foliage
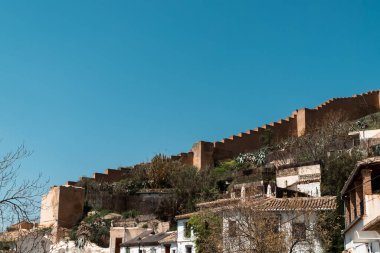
(73, 233)
(258, 158)
(336, 170)
(99, 214)
(334, 174)
(330, 225)
(207, 228)
(369, 122)
(159, 171)
(100, 232)
(6, 246)
(145, 226)
(226, 168)
(137, 181)
(96, 231)
(130, 214)
(191, 185)
(224, 173)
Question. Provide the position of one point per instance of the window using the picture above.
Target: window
(187, 233)
(299, 231)
(375, 181)
(152, 250)
(127, 250)
(231, 228)
(188, 249)
(173, 251)
(273, 222)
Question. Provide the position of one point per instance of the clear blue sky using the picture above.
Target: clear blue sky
(90, 85)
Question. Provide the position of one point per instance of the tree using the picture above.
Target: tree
(207, 227)
(159, 171)
(255, 226)
(191, 185)
(250, 230)
(19, 200)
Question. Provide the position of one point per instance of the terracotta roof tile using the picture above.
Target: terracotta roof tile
(302, 203)
(185, 216)
(147, 238)
(169, 239)
(218, 203)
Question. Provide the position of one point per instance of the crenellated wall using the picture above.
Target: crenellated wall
(203, 155)
(350, 108)
(109, 176)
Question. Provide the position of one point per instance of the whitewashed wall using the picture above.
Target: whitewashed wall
(182, 241)
(361, 241)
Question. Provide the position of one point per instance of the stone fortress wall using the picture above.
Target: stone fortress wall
(205, 154)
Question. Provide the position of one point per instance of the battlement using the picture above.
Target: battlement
(296, 124)
(109, 176)
(204, 154)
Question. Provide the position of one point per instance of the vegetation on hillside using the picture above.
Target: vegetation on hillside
(329, 144)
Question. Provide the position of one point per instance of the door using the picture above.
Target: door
(118, 241)
(167, 249)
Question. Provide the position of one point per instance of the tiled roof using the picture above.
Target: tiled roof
(218, 203)
(185, 216)
(287, 204)
(372, 160)
(169, 239)
(146, 239)
(303, 203)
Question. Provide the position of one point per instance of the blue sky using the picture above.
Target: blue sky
(90, 85)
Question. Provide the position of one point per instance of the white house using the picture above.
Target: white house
(148, 242)
(185, 235)
(302, 178)
(295, 218)
(361, 195)
(119, 235)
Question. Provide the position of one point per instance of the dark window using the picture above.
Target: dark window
(349, 213)
(187, 230)
(299, 231)
(361, 208)
(375, 182)
(188, 249)
(232, 228)
(356, 140)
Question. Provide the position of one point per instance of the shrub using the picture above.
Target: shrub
(130, 214)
